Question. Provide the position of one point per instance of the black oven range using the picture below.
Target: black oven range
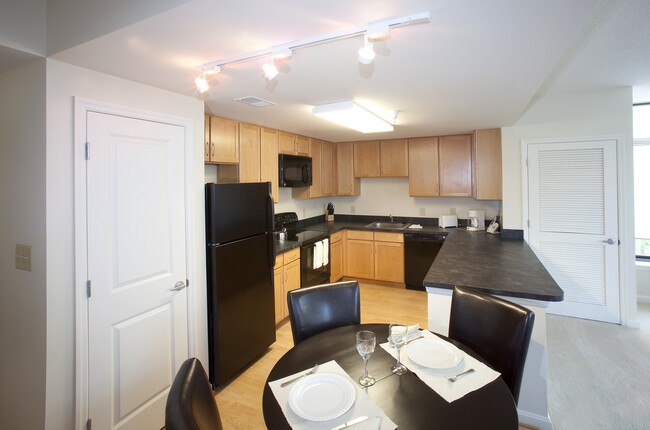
(314, 248)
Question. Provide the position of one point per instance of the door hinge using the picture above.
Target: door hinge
(89, 424)
(528, 223)
(87, 151)
(526, 162)
(88, 288)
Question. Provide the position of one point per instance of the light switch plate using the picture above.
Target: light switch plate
(23, 257)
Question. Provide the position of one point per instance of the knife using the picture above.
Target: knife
(351, 422)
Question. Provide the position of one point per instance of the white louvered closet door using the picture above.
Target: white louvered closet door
(573, 224)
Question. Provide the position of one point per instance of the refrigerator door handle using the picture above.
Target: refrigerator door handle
(270, 244)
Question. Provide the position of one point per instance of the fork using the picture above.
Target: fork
(455, 377)
(311, 372)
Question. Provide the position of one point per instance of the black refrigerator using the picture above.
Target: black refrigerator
(240, 260)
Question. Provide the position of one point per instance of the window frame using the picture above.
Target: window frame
(645, 141)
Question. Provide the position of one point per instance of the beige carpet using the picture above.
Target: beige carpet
(599, 374)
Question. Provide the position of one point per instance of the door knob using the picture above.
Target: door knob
(179, 286)
(609, 241)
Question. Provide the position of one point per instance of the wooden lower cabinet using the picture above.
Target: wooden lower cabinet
(389, 257)
(336, 256)
(375, 255)
(286, 277)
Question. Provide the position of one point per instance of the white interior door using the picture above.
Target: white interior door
(573, 225)
(137, 312)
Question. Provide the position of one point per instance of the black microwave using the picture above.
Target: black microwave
(295, 170)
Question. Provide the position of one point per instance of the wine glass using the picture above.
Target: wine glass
(366, 346)
(397, 338)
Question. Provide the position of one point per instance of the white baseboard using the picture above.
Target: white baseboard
(538, 421)
(643, 299)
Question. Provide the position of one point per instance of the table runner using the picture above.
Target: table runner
(437, 379)
(363, 405)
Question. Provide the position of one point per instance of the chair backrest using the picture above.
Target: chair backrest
(315, 309)
(191, 404)
(496, 329)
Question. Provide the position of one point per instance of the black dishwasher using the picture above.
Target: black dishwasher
(420, 249)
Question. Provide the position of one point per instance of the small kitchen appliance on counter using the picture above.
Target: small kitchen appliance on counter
(476, 220)
(448, 221)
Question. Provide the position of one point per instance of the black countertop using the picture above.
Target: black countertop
(506, 267)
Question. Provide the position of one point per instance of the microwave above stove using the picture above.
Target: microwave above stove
(294, 170)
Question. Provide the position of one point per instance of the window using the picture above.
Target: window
(642, 181)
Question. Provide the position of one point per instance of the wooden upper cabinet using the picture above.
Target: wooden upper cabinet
(269, 159)
(224, 141)
(302, 146)
(345, 182)
(486, 158)
(394, 157)
(455, 164)
(286, 143)
(367, 159)
(249, 152)
(316, 167)
(327, 169)
(423, 167)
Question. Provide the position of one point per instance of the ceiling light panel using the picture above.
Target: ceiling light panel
(351, 115)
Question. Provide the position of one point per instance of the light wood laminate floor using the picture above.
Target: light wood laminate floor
(240, 401)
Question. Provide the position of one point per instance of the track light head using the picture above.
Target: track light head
(366, 54)
(270, 71)
(201, 84)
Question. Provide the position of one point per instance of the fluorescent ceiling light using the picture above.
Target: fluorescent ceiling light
(351, 115)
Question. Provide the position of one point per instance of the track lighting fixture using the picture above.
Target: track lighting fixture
(366, 54)
(201, 84)
(270, 71)
(372, 32)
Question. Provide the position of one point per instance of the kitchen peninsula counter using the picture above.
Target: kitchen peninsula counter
(506, 267)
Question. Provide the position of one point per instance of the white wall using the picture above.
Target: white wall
(643, 282)
(383, 197)
(595, 113)
(64, 82)
(22, 220)
(560, 115)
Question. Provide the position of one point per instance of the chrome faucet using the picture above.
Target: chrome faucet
(391, 218)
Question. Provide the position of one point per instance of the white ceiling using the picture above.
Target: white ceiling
(477, 64)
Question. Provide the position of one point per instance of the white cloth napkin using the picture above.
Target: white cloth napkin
(437, 379)
(326, 252)
(318, 255)
(363, 405)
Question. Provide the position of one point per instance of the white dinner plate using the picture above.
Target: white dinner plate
(321, 396)
(434, 354)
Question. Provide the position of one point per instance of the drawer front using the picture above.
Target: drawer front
(389, 237)
(292, 255)
(360, 235)
(335, 237)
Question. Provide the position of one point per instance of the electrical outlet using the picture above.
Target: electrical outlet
(353, 209)
(452, 211)
(24, 257)
(422, 212)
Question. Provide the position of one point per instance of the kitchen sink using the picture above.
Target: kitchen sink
(381, 224)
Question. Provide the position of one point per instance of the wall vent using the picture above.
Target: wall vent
(255, 101)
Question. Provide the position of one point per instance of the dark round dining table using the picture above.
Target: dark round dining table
(405, 399)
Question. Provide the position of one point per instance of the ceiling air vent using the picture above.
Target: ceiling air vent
(254, 101)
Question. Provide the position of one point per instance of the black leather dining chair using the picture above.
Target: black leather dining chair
(191, 404)
(313, 310)
(496, 329)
